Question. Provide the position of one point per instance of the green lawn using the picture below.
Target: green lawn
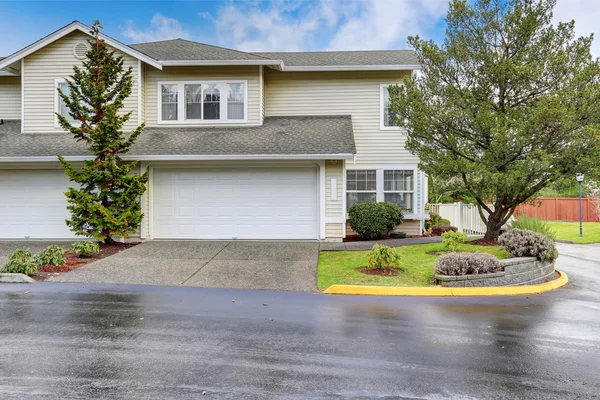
(570, 231)
(340, 267)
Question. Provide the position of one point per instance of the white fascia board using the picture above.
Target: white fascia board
(76, 26)
(183, 63)
(6, 73)
(191, 157)
(354, 68)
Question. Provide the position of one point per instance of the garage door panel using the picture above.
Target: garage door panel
(33, 204)
(253, 203)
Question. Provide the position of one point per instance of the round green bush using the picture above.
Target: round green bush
(374, 220)
(21, 261)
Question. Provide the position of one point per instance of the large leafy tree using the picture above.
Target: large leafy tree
(509, 103)
(106, 203)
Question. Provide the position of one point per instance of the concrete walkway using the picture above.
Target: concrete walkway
(215, 264)
(368, 244)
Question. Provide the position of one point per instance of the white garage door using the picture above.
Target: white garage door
(252, 203)
(33, 204)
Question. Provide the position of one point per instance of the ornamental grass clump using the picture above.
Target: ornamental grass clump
(21, 261)
(455, 264)
(51, 255)
(524, 243)
(524, 222)
(383, 258)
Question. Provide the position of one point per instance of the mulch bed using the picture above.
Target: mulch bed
(379, 272)
(356, 238)
(484, 242)
(74, 262)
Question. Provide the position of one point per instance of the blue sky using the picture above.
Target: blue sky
(253, 25)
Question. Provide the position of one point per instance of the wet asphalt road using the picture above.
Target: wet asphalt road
(64, 341)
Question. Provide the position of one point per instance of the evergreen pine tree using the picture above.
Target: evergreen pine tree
(106, 203)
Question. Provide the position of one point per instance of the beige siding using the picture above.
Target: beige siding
(56, 61)
(411, 228)
(339, 93)
(251, 74)
(334, 170)
(345, 93)
(334, 231)
(10, 97)
(143, 90)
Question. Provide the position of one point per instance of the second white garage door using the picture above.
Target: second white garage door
(252, 203)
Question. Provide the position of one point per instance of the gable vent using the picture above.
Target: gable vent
(80, 50)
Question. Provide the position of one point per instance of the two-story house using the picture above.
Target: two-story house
(237, 145)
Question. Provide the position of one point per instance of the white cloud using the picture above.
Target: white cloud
(328, 24)
(384, 24)
(586, 14)
(161, 28)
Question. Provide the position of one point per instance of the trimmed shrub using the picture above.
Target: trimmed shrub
(524, 222)
(435, 220)
(440, 230)
(85, 248)
(466, 264)
(523, 243)
(21, 261)
(453, 239)
(383, 257)
(374, 220)
(395, 216)
(51, 255)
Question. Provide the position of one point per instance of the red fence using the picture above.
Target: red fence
(559, 209)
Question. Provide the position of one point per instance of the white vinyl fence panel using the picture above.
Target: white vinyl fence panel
(464, 216)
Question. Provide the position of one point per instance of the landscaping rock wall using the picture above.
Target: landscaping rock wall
(518, 271)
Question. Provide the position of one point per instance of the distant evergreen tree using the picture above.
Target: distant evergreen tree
(106, 203)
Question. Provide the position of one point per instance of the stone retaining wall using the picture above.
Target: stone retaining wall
(518, 271)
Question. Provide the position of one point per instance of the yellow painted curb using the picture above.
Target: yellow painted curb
(447, 291)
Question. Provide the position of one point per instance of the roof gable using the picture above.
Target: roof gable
(75, 26)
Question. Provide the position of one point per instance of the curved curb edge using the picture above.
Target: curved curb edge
(446, 291)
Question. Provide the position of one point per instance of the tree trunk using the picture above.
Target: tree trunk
(109, 240)
(494, 223)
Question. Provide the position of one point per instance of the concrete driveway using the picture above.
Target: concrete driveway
(215, 264)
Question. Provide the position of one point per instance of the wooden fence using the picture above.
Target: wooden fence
(559, 209)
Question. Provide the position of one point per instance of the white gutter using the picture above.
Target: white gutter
(191, 157)
(170, 63)
(354, 68)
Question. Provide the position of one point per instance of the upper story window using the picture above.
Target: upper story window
(203, 102)
(59, 105)
(387, 117)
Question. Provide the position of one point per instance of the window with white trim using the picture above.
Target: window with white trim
(203, 102)
(399, 188)
(387, 117)
(392, 185)
(61, 108)
(361, 186)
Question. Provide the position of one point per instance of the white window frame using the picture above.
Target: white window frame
(222, 86)
(360, 191)
(379, 186)
(382, 127)
(57, 99)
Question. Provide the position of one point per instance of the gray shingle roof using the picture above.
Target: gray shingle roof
(333, 58)
(181, 49)
(277, 136)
